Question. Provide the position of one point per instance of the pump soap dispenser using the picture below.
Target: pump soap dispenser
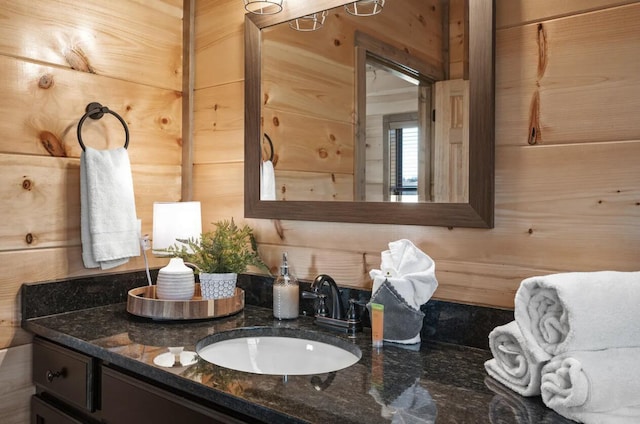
(286, 294)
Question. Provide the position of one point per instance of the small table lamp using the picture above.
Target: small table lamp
(172, 221)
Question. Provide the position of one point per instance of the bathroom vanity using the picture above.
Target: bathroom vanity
(101, 363)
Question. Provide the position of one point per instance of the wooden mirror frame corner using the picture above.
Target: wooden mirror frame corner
(477, 213)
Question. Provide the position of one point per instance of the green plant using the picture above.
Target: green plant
(228, 249)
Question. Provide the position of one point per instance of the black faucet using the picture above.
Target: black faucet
(337, 309)
(335, 318)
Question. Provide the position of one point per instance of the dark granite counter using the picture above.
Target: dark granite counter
(439, 383)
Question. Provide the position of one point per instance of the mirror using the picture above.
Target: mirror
(474, 210)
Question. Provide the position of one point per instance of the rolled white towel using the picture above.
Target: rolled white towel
(580, 310)
(515, 363)
(594, 387)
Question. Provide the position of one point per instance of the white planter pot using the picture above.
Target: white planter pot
(217, 286)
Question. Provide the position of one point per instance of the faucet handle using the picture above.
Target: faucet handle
(353, 314)
(321, 309)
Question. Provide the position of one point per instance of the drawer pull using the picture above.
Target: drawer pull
(53, 375)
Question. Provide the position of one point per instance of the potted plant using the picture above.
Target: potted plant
(219, 256)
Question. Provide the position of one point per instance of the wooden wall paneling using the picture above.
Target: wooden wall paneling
(42, 106)
(220, 189)
(412, 20)
(16, 388)
(294, 185)
(219, 43)
(302, 82)
(591, 76)
(552, 82)
(142, 45)
(219, 124)
(511, 13)
(306, 144)
(45, 211)
(458, 39)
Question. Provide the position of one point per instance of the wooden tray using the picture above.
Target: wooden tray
(142, 302)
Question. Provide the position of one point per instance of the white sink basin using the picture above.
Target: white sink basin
(278, 351)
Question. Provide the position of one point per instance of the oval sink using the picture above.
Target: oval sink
(278, 351)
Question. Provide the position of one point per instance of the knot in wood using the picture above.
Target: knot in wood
(27, 184)
(46, 81)
(29, 238)
(323, 153)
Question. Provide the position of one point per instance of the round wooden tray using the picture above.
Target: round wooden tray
(142, 301)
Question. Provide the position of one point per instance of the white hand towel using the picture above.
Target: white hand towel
(267, 181)
(410, 271)
(109, 228)
(594, 387)
(580, 310)
(515, 363)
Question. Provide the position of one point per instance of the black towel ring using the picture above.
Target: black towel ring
(270, 145)
(95, 110)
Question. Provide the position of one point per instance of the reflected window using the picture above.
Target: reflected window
(402, 158)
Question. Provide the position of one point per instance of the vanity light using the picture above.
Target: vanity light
(174, 220)
(263, 7)
(309, 22)
(364, 7)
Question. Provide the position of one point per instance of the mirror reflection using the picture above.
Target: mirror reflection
(357, 110)
(307, 105)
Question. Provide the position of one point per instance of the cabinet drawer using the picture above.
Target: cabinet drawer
(43, 413)
(128, 400)
(64, 374)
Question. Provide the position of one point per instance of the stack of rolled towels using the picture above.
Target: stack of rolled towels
(575, 341)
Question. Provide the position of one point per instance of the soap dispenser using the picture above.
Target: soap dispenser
(286, 293)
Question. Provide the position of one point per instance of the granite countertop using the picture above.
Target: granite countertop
(439, 383)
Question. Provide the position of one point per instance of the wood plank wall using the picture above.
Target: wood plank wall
(55, 58)
(567, 148)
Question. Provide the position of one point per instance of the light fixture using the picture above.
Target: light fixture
(309, 22)
(263, 7)
(172, 221)
(364, 7)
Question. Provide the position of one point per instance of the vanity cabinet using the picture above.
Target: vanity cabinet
(74, 388)
(65, 384)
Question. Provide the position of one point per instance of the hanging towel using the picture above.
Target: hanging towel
(406, 280)
(594, 387)
(110, 231)
(515, 363)
(580, 310)
(267, 181)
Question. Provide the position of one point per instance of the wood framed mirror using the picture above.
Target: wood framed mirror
(477, 212)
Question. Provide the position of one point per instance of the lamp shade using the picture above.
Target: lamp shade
(175, 220)
(364, 7)
(263, 7)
